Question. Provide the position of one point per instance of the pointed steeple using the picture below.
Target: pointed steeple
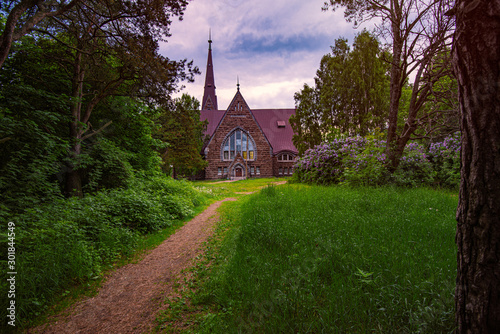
(209, 98)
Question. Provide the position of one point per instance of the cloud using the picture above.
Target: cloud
(247, 45)
(273, 46)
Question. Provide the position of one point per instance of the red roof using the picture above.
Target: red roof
(213, 117)
(277, 128)
(273, 122)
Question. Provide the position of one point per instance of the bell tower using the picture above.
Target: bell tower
(209, 98)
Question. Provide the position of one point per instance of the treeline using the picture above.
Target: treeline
(396, 81)
(85, 104)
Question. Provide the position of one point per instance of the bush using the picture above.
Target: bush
(325, 164)
(106, 167)
(350, 161)
(361, 161)
(368, 166)
(72, 240)
(414, 168)
(445, 159)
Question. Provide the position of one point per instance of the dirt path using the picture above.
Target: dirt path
(127, 302)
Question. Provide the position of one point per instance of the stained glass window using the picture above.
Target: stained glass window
(238, 142)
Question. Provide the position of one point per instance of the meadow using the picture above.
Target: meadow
(313, 259)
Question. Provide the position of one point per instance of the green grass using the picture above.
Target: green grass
(227, 189)
(67, 248)
(301, 259)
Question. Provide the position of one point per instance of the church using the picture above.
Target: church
(243, 142)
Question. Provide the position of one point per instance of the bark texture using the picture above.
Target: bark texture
(476, 63)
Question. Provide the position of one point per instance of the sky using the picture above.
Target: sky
(273, 46)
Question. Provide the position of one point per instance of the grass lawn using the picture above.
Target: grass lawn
(300, 259)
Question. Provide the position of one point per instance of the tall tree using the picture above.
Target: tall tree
(306, 122)
(112, 49)
(418, 32)
(182, 131)
(24, 15)
(476, 58)
(350, 94)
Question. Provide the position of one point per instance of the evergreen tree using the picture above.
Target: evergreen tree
(182, 132)
(350, 96)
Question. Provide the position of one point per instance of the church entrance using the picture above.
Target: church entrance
(238, 172)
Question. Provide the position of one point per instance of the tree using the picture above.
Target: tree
(111, 48)
(182, 131)
(418, 32)
(306, 122)
(476, 55)
(350, 94)
(33, 128)
(24, 15)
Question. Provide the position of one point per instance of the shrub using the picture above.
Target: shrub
(350, 161)
(361, 161)
(368, 166)
(414, 168)
(106, 167)
(72, 240)
(445, 159)
(325, 164)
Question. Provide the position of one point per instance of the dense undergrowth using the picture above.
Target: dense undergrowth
(302, 259)
(73, 241)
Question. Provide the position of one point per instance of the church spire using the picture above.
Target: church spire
(209, 98)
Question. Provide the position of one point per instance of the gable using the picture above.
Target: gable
(238, 115)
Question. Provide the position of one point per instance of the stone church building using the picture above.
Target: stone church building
(245, 142)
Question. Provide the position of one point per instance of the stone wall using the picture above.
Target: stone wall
(237, 116)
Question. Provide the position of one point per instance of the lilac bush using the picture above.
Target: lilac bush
(354, 160)
(362, 161)
(445, 159)
(414, 168)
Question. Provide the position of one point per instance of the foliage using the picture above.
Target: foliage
(328, 259)
(104, 49)
(350, 94)
(356, 161)
(306, 122)
(34, 141)
(353, 160)
(73, 240)
(132, 130)
(31, 124)
(105, 166)
(182, 131)
(445, 159)
(419, 34)
(368, 166)
(414, 168)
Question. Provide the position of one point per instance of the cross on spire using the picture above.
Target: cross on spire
(210, 39)
(209, 98)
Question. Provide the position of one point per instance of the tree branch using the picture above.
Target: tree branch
(96, 132)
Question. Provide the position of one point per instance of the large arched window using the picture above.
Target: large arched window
(238, 142)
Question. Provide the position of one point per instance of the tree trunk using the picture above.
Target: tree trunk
(73, 178)
(395, 87)
(476, 59)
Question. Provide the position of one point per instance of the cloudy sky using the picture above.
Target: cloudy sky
(274, 46)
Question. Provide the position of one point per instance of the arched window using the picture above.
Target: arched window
(239, 142)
